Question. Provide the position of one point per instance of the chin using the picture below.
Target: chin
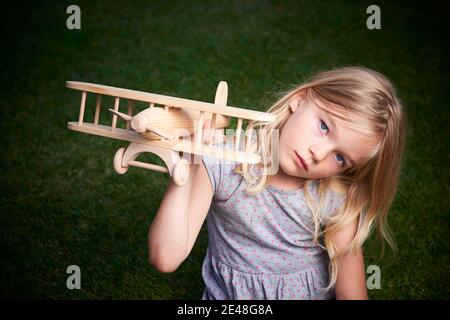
(290, 169)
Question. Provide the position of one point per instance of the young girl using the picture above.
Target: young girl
(294, 228)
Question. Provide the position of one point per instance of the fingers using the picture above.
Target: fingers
(207, 124)
(208, 134)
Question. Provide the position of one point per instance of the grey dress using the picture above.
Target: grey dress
(261, 247)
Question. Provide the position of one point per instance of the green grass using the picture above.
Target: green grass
(61, 201)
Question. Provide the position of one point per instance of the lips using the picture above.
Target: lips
(301, 162)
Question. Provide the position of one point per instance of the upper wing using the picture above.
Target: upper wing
(171, 101)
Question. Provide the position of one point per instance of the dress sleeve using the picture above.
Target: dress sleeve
(221, 175)
(334, 202)
(214, 170)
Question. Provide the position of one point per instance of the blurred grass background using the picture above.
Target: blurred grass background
(63, 204)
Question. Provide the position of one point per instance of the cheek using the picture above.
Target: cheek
(331, 170)
(293, 130)
(298, 133)
(328, 169)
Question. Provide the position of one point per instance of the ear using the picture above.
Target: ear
(296, 100)
(293, 105)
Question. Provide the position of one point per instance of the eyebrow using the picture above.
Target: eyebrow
(333, 124)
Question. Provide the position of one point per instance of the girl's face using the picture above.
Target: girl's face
(326, 148)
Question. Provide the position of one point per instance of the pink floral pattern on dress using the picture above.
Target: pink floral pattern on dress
(261, 247)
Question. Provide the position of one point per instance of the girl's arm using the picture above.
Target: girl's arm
(179, 219)
(351, 278)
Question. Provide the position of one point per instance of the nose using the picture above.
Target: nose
(320, 152)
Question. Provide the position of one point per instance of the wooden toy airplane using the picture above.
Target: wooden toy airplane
(161, 130)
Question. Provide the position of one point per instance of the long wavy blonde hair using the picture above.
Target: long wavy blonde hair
(366, 101)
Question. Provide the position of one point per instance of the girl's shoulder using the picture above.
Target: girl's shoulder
(331, 198)
(335, 199)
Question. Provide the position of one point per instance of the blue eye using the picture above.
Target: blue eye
(342, 159)
(322, 122)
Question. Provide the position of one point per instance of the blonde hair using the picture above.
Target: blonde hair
(367, 101)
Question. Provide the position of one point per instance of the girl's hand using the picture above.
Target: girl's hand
(208, 134)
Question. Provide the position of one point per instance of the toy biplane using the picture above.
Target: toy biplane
(161, 130)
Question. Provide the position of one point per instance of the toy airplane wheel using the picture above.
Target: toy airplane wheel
(181, 172)
(118, 157)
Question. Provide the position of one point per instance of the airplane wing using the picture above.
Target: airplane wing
(213, 150)
(172, 101)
